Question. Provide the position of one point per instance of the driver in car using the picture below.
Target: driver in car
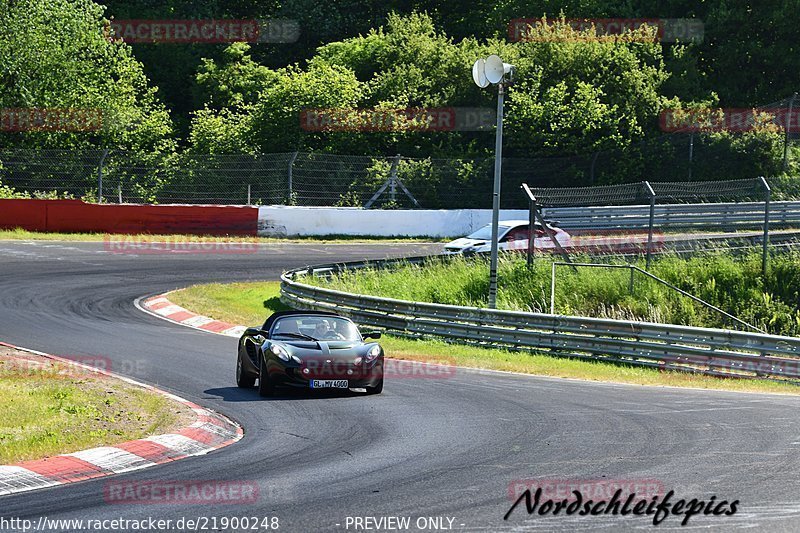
(323, 331)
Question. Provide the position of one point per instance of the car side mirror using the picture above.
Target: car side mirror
(255, 331)
(371, 334)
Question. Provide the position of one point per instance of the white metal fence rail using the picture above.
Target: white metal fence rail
(741, 214)
(665, 346)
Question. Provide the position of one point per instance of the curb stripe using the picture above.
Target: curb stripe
(112, 459)
(181, 444)
(152, 451)
(64, 468)
(18, 479)
(210, 431)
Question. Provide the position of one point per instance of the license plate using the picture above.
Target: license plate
(329, 384)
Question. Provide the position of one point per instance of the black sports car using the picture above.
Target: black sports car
(311, 350)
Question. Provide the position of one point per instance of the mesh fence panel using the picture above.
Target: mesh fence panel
(320, 179)
(717, 191)
(633, 193)
(67, 172)
(328, 179)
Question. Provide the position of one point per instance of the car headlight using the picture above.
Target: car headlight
(280, 352)
(373, 353)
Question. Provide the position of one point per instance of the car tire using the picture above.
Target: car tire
(243, 380)
(265, 386)
(377, 389)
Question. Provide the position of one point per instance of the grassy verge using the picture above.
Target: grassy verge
(21, 234)
(251, 303)
(52, 408)
(735, 284)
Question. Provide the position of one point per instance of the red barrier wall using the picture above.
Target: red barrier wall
(77, 216)
(27, 214)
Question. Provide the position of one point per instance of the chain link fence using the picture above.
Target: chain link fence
(323, 179)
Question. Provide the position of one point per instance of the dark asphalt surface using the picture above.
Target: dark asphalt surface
(426, 447)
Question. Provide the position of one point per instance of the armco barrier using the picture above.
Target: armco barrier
(78, 216)
(665, 346)
(724, 215)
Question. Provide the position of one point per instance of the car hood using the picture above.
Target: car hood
(464, 243)
(328, 349)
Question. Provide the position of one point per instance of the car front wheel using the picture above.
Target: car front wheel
(265, 386)
(243, 380)
(377, 389)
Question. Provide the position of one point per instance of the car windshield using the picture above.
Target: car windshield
(322, 328)
(485, 233)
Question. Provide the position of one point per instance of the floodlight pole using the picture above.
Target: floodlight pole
(498, 162)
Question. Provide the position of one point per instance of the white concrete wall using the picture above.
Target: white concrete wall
(281, 221)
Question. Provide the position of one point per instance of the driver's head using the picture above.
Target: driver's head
(321, 328)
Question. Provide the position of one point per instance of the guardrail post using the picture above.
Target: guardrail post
(765, 244)
(553, 288)
(630, 283)
(531, 230)
(248, 194)
(652, 194)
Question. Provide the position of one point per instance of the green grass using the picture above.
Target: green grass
(46, 412)
(250, 303)
(732, 283)
(21, 234)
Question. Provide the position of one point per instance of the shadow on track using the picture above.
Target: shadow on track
(235, 394)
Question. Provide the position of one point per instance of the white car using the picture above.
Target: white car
(512, 234)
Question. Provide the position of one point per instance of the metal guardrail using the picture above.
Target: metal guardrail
(665, 346)
(733, 215)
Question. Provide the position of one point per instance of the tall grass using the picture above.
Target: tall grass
(732, 283)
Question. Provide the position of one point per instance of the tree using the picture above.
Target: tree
(54, 54)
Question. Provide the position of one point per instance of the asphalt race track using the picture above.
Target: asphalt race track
(447, 447)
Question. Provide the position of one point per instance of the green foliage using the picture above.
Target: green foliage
(235, 80)
(578, 94)
(8, 193)
(54, 54)
(571, 94)
(349, 199)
